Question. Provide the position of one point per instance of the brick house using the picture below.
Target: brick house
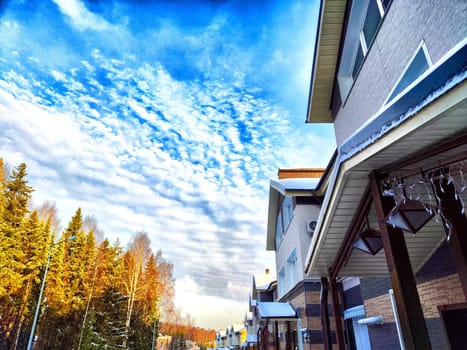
(390, 243)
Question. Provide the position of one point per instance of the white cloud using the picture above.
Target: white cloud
(187, 161)
(80, 16)
(208, 311)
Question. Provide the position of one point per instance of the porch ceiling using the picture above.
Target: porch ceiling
(438, 124)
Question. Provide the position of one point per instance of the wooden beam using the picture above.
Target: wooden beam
(336, 305)
(413, 327)
(455, 225)
(325, 314)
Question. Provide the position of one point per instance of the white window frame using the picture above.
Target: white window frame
(291, 271)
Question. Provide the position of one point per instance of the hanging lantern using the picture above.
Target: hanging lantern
(410, 215)
(369, 241)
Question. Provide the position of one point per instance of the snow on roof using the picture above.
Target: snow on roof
(263, 280)
(251, 338)
(295, 184)
(447, 73)
(276, 310)
(237, 327)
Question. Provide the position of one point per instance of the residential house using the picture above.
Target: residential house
(264, 289)
(294, 206)
(390, 242)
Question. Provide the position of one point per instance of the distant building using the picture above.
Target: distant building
(294, 205)
(163, 342)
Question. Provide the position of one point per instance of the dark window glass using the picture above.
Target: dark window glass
(279, 229)
(358, 61)
(287, 211)
(372, 20)
(385, 4)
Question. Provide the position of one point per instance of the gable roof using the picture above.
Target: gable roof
(263, 282)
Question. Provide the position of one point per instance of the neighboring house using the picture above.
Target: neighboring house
(236, 336)
(272, 323)
(390, 242)
(294, 206)
(264, 289)
(222, 339)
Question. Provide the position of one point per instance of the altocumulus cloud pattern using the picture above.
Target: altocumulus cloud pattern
(162, 116)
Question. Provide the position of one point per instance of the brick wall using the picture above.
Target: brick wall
(446, 290)
(380, 306)
(305, 298)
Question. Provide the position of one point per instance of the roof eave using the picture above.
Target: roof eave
(327, 45)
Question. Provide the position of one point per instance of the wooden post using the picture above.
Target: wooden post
(289, 337)
(325, 314)
(410, 312)
(452, 211)
(276, 335)
(337, 314)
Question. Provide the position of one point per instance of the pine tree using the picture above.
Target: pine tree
(110, 317)
(15, 196)
(35, 240)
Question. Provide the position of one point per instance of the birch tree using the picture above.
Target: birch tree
(135, 260)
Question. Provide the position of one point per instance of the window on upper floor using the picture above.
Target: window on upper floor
(292, 269)
(281, 281)
(288, 275)
(419, 63)
(284, 217)
(364, 21)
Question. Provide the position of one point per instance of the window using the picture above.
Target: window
(281, 281)
(284, 217)
(358, 333)
(292, 273)
(419, 63)
(288, 275)
(364, 21)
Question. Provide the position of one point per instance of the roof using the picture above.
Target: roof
(295, 187)
(262, 282)
(275, 310)
(237, 327)
(428, 115)
(326, 53)
(251, 338)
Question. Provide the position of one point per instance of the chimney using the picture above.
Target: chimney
(266, 271)
(294, 173)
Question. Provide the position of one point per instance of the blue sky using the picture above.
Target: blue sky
(164, 116)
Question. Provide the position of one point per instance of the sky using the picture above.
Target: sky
(169, 117)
